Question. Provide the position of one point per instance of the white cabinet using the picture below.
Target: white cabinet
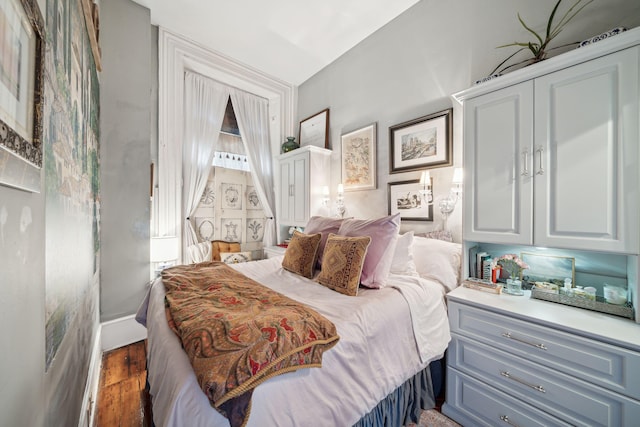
(498, 138)
(553, 160)
(303, 174)
(529, 362)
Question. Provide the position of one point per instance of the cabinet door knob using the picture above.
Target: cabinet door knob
(540, 151)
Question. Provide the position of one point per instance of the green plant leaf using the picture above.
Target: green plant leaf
(529, 29)
(568, 16)
(508, 58)
(553, 12)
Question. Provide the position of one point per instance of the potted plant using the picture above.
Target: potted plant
(540, 46)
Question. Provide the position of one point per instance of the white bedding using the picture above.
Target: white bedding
(378, 351)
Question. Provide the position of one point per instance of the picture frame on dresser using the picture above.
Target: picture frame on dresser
(359, 158)
(548, 268)
(405, 198)
(314, 130)
(21, 105)
(422, 143)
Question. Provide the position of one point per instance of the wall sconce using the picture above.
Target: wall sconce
(340, 201)
(448, 204)
(164, 251)
(426, 186)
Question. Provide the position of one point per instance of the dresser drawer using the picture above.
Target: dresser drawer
(602, 364)
(575, 401)
(473, 403)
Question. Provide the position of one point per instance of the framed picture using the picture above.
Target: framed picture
(423, 143)
(314, 130)
(21, 106)
(359, 159)
(405, 199)
(548, 268)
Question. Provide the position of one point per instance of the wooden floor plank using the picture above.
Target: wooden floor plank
(122, 398)
(116, 366)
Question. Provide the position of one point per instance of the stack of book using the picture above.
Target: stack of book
(482, 285)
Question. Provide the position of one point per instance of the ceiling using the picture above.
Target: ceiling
(287, 39)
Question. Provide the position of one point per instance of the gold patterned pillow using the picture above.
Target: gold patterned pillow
(342, 263)
(301, 254)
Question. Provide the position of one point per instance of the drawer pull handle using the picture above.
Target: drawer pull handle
(508, 335)
(539, 388)
(506, 420)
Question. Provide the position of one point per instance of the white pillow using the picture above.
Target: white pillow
(402, 262)
(235, 257)
(438, 260)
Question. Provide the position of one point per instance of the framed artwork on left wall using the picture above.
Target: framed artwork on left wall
(21, 106)
(314, 130)
(422, 143)
(359, 159)
(405, 199)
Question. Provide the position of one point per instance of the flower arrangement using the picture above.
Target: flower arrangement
(512, 264)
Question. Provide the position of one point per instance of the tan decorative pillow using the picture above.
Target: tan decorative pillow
(342, 263)
(301, 254)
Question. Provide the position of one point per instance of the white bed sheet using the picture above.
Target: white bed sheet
(386, 336)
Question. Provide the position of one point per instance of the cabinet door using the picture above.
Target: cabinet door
(294, 187)
(300, 189)
(586, 155)
(498, 137)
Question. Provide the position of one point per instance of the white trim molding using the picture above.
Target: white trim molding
(177, 55)
(88, 408)
(121, 332)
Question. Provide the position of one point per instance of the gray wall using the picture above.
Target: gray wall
(410, 67)
(125, 151)
(22, 314)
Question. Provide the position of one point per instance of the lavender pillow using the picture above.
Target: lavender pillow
(323, 225)
(383, 232)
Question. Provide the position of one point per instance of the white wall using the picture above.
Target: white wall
(410, 67)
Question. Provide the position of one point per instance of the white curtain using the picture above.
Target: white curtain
(205, 103)
(252, 114)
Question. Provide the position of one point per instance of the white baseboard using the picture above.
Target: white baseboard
(88, 409)
(121, 332)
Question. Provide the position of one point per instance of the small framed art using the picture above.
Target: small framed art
(359, 159)
(422, 143)
(405, 199)
(314, 130)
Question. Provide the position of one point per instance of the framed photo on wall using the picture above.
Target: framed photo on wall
(314, 130)
(359, 159)
(21, 106)
(422, 143)
(405, 199)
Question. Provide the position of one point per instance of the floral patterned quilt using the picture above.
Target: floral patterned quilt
(238, 333)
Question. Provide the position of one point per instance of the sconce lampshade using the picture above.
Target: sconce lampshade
(457, 176)
(164, 248)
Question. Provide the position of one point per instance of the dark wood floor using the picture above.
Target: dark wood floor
(122, 399)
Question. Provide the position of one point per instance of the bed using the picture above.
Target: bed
(380, 366)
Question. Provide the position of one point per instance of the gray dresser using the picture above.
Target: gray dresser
(523, 362)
